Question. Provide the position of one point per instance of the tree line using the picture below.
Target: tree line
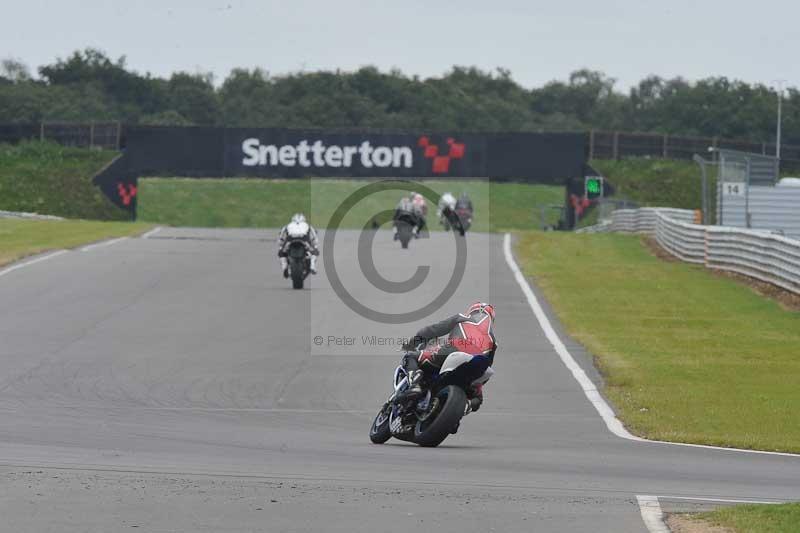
(90, 86)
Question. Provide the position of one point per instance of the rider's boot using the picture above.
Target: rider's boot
(475, 403)
(313, 266)
(476, 399)
(285, 267)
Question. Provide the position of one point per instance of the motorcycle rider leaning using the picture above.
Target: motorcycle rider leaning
(447, 204)
(407, 204)
(420, 208)
(471, 332)
(298, 228)
(464, 202)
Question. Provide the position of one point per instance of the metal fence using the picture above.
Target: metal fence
(683, 240)
(644, 220)
(774, 209)
(766, 257)
(618, 145)
(758, 254)
(103, 135)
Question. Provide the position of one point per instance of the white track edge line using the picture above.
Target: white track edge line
(589, 389)
(102, 244)
(722, 500)
(651, 514)
(152, 232)
(39, 259)
(587, 385)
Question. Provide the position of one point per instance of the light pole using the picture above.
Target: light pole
(704, 187)
(778, 127)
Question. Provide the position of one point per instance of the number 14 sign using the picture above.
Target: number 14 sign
(733, 189)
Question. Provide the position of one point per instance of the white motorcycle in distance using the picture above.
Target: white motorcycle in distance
(454, 214)
(430, 418)
(298, 252)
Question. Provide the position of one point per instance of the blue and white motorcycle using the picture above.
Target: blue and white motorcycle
(429, 418)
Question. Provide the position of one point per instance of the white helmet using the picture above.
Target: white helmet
(298, 227)
(447, 199)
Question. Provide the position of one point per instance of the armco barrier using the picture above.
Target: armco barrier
(766, 257)
(644, 220)
(757, 254)
(685, 241)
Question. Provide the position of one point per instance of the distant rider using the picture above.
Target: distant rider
(298, 228)
(412, 204)
(420, 209)
(471, 332)
(464, 202)
(446, 209)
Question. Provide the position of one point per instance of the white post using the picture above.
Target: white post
(778, 127)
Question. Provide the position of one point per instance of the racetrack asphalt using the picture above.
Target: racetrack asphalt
(174, 383)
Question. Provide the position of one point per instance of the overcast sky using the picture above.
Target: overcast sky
(537, 40)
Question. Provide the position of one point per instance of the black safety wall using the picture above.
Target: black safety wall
(283, 153)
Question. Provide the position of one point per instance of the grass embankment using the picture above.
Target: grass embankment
(20, 238)
(687, 356)
(270, 203)
(658, 182)
(756, 518)
(47, 178)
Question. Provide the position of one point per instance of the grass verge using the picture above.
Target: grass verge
(783, 518)
(658, 182)
(21, 238)
(47, 178)
(270, 203)
(687, 356)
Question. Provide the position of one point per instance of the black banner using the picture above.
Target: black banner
(204, 152)
(536, 157)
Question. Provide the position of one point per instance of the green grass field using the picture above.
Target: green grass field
(687, 356)
(757, 518)
(658, 182)
(270, 203)
(51, 179)
(20, 238)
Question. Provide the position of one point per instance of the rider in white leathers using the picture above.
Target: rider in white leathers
(298, 228)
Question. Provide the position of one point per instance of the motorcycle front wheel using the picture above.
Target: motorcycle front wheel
(379, 432)
(446, 412)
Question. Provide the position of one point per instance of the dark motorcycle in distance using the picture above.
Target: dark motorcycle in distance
(460, 219)
(428, 419)
(405, 222)
(298, 253)
(464, 216)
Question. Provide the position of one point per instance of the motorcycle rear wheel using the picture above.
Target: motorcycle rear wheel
(435, 428)
(404, 232)
(296, 269)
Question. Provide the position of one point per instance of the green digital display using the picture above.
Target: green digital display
(593, 187)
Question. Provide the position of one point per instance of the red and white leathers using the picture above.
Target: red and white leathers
(419, 203)
(471, 333)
